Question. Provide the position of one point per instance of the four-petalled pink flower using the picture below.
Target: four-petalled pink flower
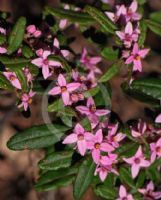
(11, 76)
(123, 195)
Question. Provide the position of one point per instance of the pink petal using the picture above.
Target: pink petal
(158, 119)
(79, 129)
(82, 147)
(120, 34)
(73, 86)
(96, 155)
(135, 49)
(90, 102)
(38, 62)
(54, 63)
(25, 106)
(65, 53)
(150, 186)
(137, 66)
(133, 6)
(16, 83)
(63, 23)
(31, 29)
(143, 52)
(110, 15)
(135, 170)
(45, 72)
(56, 43)
(122, 191)
(88, 136)
(84, 54)
(37, 33)
(83, 110)
(55, 91)
(95, 60)
(46, 54)
(3, 50)
(72, 138)
(129, 28)
(106, 147)
(144, 163)
(61, 80)
(135, 133)
(102, 175)
(129, 60)
(139, 152)
(102, 112)
(99, 136)
(66, 97)
(129, 160)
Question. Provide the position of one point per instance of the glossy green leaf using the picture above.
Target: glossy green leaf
(86, 124)
(16, 36)
(143, 32)
(141, 179)
(14, 62)
(62, 60)
(155, 16)
(110, 54)
(154, 26)
(67, 120)
(21, 77)
(110, 73)
(56, 106)
(37, 137)
(84, 178)
(27, 51)
(105, 192)
(106, 24)
(56, 160)
(2, 39)
(126, 178)
(72, 16)
(50, 176)
(91, 92)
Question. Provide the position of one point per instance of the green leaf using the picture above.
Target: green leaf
(27, 51)
(110, 54)
(21, 77)
(110, 73)
(56, 106)
(155, 16)
(126, 178)
(106, 24)
(37, 137)
(2, 39)
(141, 2)
(103, 191)
(16, 36)
(4, 83)
(72, 16)
(143, 32)
(62, 60)
(91, 92)
(56, 179)
(86, 124)
(56, 160)
(67, 120)
(141, 179)
(14, 62)
(84, 178)
(140, 96)
(154, 26)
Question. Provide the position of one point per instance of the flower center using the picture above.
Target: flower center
(80, 137)
(124, 198)
(82, 78)
(137, 160)
(97, 145)
(93, 108)
(45, 62)
(114, 138)
(127, 37)
(12, 77)
(158, 149)
(30, 101)
(137, 57)
(63, 89)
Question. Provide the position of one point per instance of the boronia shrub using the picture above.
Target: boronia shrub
(85, 143)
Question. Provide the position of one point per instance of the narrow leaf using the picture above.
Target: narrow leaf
(154, 26)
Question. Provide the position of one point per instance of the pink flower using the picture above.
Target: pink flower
(26, 100)
(91, 111)
(80, 136)
(64, 89)
(156, 150)
(136, 56)
(123, 195)
(105, 166)
(149, 192)
(158, 119)
(128, 36)
(33, 31)
(113, 138)
(2, 31)
(137, 161)
(96, 145)
(131, 12)
(11, 76)
(56, 47)
(141, 128)
(28, 75)
(3, 50)
(43, 62)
